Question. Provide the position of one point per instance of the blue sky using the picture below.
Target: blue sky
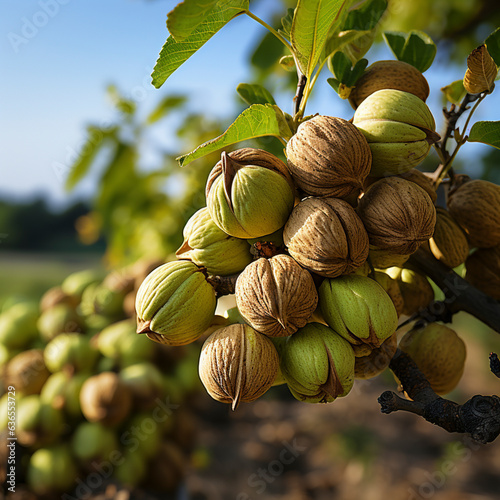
(57, 56)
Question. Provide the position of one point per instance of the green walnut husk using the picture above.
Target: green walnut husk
(71, 351)
(51, 470)
(58, 319)
(317, 364)
(360, 310)
(249, 193)
(62, 391)
(38, 423)
(175, 304)
(145, 383)
(121, 343)
(208, 246)
(18, 325)
(93, 441)
(399, 128)
(76, 283)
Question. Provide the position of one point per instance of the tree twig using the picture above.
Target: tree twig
(479, 416)
(460, 294)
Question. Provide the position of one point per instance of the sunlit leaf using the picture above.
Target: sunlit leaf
(312, 22)
(493, 44)
(255, 94)
(287, 63)
(416, 48)
(344, 72)
(174, 53)
(256, 121)
(96, 138)
(366, 17)
(481, 71)
(268, 51)
(186, 16)
(286, 23)
(164, 107)
(340, 41)
(486, 132)
(454, 92)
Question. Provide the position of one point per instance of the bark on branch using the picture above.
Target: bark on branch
(479, 416)
(460, 294)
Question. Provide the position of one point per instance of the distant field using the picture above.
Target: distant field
(31, 274)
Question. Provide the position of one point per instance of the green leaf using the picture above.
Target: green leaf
(186, 16)
(416, 48)
(455, 91)
(366, 17)
(174, 53)
(255, 94)
(96, 138)
(340, 41)
(287, 63)
(286, 22)
(167, 104)
(312, 22)
(493, 45)
(258, 120)
(334, 83)
(268, 51)
(341, 65)
(486, 132)
(357, 71)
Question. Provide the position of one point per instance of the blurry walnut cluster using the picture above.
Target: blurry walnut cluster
(338, 220)
(88, 399)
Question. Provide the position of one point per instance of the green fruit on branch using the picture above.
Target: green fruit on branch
(237, 364)
(249, 193)
(52, 470)
(27, 372)
(326, 236)
(398, 215)
(438, 352)
(329, 156)
(145, 383)
(18, 325)
(448, 243)
(475, 205)
(54, 296)
(276, 296)
(38, 423)
(150, 433)
(415, 288)
(101, 300)
(92, 441)
(383, 259)
(208, 246)
(359, 310)
(399, 128)
(106, 399)
(391, 286)
(175, 304)
(483, 270)
(70, 351)
(131, 470)
(396, 75)
(374, 363)
(318, 364)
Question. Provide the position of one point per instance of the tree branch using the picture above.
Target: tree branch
(479, 416)
(460, 294)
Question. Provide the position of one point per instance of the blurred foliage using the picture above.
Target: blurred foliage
(141, 212)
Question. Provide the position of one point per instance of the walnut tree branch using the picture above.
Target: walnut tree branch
(460, 295)
(479, 416)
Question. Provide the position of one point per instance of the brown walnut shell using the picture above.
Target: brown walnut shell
(483, 270)
(326, 236)
(276, 296)
(396, 75)
(377, 361)
(329, 156)
(475, 205)
(448, 243)
(398, 215)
